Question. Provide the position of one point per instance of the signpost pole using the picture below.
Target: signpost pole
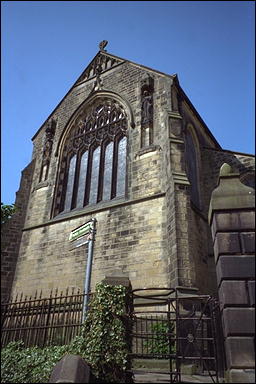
(89, 268)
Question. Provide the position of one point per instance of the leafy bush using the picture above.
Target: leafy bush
(103, 344)
(159, 344)
(7, 211)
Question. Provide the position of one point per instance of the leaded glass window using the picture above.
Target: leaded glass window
(70, 183)
(107, 177)
(82, 180)
(93, 160)
(121, 167)
(95, 176)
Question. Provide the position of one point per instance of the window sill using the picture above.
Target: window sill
(90, 208)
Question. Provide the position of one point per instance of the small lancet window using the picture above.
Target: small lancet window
(44, 172)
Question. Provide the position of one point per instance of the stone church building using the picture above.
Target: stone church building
(125, 146)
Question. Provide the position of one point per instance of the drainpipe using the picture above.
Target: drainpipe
(89, 268)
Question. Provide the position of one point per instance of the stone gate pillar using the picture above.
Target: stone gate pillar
(231, 216)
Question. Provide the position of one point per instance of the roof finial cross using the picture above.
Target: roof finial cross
(102, 45)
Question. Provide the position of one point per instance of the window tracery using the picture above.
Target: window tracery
(93, 160)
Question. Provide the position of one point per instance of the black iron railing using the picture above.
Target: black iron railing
(40, 321)
(179, 329)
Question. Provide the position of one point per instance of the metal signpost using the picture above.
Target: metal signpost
(87, 231)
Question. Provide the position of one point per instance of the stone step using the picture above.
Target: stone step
(157, 371)
(162, 365)
(156, 364)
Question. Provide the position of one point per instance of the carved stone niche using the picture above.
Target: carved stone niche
(147, 111)
(175, 127)
(47, 149)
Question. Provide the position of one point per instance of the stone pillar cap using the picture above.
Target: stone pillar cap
(231, 193)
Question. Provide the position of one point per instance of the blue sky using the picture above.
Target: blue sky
(47, 44)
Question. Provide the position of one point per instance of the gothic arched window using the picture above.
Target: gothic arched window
(93, 160)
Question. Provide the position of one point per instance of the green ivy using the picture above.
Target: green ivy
(104, 343)
(105, 338)
(29, 365)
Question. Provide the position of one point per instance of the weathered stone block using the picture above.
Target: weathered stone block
(240, 352)
(251, 289)
(226, 243)
(232, 267)
(238, 321)
(232, 292)
(233, 221)
(70, 369)
(248, 242)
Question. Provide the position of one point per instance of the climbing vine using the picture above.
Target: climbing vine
(105, 337)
